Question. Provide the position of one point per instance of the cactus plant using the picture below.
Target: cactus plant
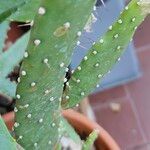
(9, 7)
(55, 44)
(43, 88)
(26, 12)
(104, 53)
(3, 30)
(8, 60)
(90, 140)
(15, 53)
(6, 141)
(7, 87)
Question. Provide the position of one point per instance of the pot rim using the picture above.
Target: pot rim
(82, 124)
(104, 138)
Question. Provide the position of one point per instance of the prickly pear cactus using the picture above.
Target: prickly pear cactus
(105, 52)
(42, 75)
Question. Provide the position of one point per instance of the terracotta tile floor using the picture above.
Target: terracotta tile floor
(130, 125)
(142, 36)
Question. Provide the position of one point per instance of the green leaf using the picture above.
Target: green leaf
(8, 7)
(19, 147)
(6, 141)
(104, 54)
(3, 33)
(42, 73)
(59, 147)
(68, 131)
(7, 87)
(90, 140)
(12, 57)
(8, 60)
(27, 12)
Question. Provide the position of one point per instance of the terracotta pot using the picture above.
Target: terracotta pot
(82, 125)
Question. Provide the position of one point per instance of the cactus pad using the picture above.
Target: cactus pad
(105, 53)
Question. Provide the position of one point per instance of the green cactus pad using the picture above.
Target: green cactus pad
(7, 87)
(8, 7)
(87, 145)
(13, 56)
(68, 131)
(6, 141)
(53, 37)
(105, 53)
(27, 12)
(8, 60)
(4, 27)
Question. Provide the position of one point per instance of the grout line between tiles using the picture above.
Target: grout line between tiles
(143, 48)
(135, 112)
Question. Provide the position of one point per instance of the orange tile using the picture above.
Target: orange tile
(107, 95)
(122, 126)
(145, 146)
(142, 36)
(140, 92)
(13, 34)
